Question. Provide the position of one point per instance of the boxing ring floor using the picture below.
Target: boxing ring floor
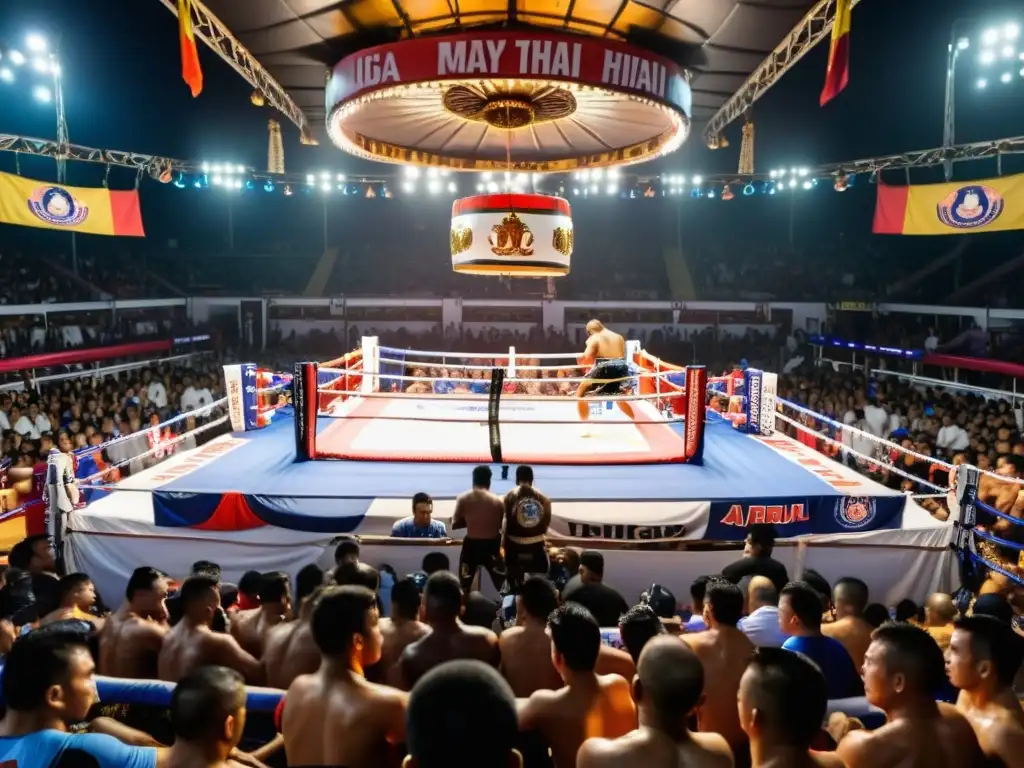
(540, 432)
(241, 500)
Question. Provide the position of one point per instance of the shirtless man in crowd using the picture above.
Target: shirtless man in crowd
(589, 706)
(251, 628)
(401, 630)
(481, 513)
(1007, 497)
(449, 638)
(335, 716)
(606, 353)
(850, 598)
(131, 639)
(724, 651)
(668, 689)
(903, 670)
(983, 658)
(782, 701)
(192, 643)
(289, 649)
(526, 648)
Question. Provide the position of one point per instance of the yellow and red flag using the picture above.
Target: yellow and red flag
(87, 210)
(191, 72)
(838, 73)
(955, 208)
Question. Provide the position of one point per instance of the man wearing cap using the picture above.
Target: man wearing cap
(605, 603)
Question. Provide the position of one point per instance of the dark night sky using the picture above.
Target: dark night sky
(124, 91)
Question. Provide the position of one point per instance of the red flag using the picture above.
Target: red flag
(838, 73)
(191, 73)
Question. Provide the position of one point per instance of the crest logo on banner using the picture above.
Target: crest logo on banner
(970, 206)
(56, 206)
(855, 511)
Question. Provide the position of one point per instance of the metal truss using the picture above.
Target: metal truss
(218, 37)
(154, 165)
(811, 30)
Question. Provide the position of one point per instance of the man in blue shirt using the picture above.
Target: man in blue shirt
(800, 618)
(48, 683)
(761, 624)
(420, 525)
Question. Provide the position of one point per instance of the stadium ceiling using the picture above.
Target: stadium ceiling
(284, 47)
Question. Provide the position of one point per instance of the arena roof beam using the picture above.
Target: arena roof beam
(811, 30)
(218, 37)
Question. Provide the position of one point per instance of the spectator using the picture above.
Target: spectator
(697, 590)
(757, 558)
(347, 550)
(637, 627)
(34, 555)
(667, 690)
(361, 716)
(526, 648)
(850, 597)
(399, 631)
(952, 437)
(903, 671)
(800, 618)
(461, 714)
(939, 613)
(589, 705)
(527, 517)
(724, 651)
(448, 639)
(208, 715)
(761, 624)
(420, 525)
(782, 703)
(47, 686)
(604, 603)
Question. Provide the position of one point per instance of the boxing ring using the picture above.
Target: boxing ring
(274, 493)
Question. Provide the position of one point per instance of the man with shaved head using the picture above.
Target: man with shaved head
(761, 624)
(668, 688)
(850, 598)
(939, 613)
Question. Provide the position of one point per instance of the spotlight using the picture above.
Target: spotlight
(325, 176)
(433, 186)
(17, 58)
(325, 188)
(1005, 77)
(1008, 52)
(963, 44)
(612, 189)
(240, 169)
(6, 75)
(408, 187)
(698, 179)
(310, 178)
(987, 57)
(42, 66)
(990, 36)
(268, 186)
(1011, 31)
(412, 172)
(35, 43)
(341, 177)
(982, 82)
(807, 185)
(452, 188)
(41, 93)
(492, 187)
(480, 187)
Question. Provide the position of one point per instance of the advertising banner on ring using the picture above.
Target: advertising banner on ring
(680, 520)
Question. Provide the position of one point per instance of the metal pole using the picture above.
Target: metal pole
(949, 123)
(325, 223)
(231, 225)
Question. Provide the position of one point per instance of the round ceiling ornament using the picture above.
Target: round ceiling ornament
(519, 100)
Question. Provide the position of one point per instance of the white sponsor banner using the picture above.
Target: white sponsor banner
(235, 390)
(843, 479)
(181, 464)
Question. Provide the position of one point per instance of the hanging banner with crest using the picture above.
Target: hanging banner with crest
(956, 208)
(86, 210)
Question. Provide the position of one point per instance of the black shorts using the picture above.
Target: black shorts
(481, 553)
(521, 560)
(609, 369)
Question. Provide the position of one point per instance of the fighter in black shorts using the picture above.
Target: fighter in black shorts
(610, 374)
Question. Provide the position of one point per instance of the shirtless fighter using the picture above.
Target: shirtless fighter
(193, 643)
(250, 628)
(903, 670)
(606, 353)
(481, 513)
(983, 658)
(289, 650)
(590, 705)
(131, 639)
(335, 716)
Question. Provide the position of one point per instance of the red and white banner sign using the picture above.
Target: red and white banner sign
(502, 55)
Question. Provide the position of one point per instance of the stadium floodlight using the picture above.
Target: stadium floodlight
(986, 57)
(612, 189)
(982, 82)
(1008, 52)
(1011, 31)
(325, 176)
(42, 66)
(412, 172)
(310, 179)
(240, 169)
(408, 187)
(1005, 77)
(698, 179)
(341, 177)
(486, 176)
(963, 44)
(433, 186)
(452, 187)
(492, 187)
(6, 75)
(36, 43)
(990, 37)
(42, 94)
(325, 188)
(17, 58)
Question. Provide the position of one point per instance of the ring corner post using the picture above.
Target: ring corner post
(304, 395)
(696, 397)
(242, 390)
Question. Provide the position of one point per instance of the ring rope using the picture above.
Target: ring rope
(489, 367)
(518, 355)
(851, 451)
(997, 540)
(472, 398)
(996, 513)
(508, 422)
(173, 420)
(161, 446)
(993, 567)
(402, 377)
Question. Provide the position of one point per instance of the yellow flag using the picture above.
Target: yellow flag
(88, 210)
(956, 208)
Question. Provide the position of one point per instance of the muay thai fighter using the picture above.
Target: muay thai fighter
(606, 352)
